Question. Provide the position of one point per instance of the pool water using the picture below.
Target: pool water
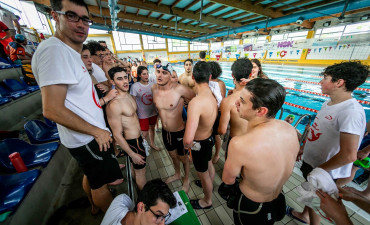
(301, 83)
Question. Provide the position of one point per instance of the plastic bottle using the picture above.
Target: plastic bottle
(17, 162)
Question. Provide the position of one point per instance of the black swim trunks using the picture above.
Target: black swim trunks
(215, 125)
(100, 167)
(174, 140)
(137, 146)
(247, 211)
(201, 153)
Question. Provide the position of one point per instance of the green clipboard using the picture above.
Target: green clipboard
(189, 218)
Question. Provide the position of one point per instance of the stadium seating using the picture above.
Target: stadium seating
(15, 85)
(13, 95)
(32, 155)
(38, 132)
(14, 188)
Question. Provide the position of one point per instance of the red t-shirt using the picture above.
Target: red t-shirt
(3, 27)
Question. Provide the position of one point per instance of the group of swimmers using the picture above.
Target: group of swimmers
(260, 150)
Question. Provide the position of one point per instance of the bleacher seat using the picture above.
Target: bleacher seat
(15, 85)
(4, 100)
(32, 155)
(31, 88)
(14, 188)
(13, 95)
(38, 132)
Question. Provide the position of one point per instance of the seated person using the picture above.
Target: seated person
(17, 52)
(152, 207)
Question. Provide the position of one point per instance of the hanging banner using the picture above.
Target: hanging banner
(254, 55)
(330, 48)
(218, 57)
(283, 53)
(237, 56)
(291, 52)
(270, 54)
(319, 49)
(298, 51)
(325, 48)
(308, 51)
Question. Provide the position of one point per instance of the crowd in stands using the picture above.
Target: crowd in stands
(194, 109)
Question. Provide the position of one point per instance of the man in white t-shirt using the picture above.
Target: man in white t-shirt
(153, 206)
(338, 128)
(69, 98)
(147, 113)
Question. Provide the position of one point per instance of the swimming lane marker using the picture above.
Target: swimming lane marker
(315, 93)
(301, 107)
(311, 82)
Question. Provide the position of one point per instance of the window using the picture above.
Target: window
(330, 32)
(278, 37)
(297, 35)
(261, 40)
(97, 31)
(357, 28)
(232, 42)
(215, 45)
(126, 41)
(177, 45)
(151, 42)
(194, 46)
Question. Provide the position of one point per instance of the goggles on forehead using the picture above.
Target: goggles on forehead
(165, 66)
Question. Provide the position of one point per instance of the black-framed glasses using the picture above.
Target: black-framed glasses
(73, 17)
(160, 218)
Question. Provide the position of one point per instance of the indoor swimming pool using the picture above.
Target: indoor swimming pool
(302, 85)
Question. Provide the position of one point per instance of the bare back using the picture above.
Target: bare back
(126, 107)
(207, 106)
(169, 104)
(238, 126)
(267, 154)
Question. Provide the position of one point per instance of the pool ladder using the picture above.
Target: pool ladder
(305, 133)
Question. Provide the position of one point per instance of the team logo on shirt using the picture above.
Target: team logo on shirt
(147, 98)
(329, 117)
(84, 69)
(314, 136)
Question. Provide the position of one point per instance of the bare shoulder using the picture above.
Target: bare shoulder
(113, 105)
(154, 87)
(239, 144)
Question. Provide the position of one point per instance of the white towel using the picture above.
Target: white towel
(317, 179)
(215, 88)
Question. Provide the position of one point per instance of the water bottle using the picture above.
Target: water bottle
(17, 162)
(147, 147)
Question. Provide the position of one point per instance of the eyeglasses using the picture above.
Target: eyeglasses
(160, 218)
(73, 17)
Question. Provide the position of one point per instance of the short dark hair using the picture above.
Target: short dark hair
(140, 70)
(115, 70)
(353, 73)
(241, 68)
(266, 93)
(188, 60)
(84, 47)
(94, 46)
(216, 70)
(56, 5)
(102, 41)
(202, 54)
(201, 72)
(156, 61)
(154, 190)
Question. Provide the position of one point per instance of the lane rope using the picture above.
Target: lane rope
(311, 82)
(301, 107)
(320, 94)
